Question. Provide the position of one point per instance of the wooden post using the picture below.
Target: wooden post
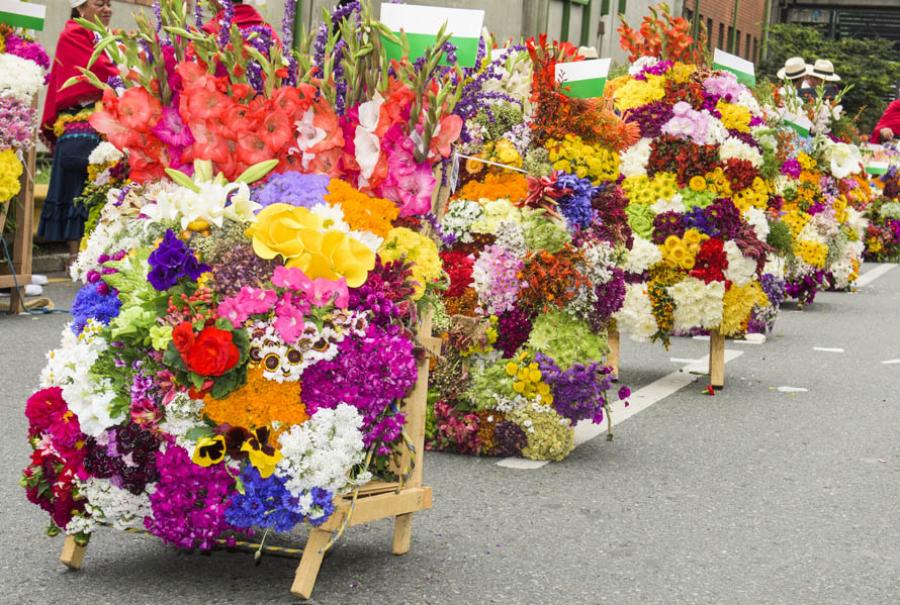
(612, 358)
(716, 360)
(310, 563)
(72, 553)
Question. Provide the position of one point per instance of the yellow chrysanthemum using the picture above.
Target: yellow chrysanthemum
(10, 172)
(697, 183)
(636, 93)
(734, 117)
(403, 243)
(812, 253)
(737, 305)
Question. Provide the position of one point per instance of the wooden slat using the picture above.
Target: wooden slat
(612, 358)
(716, 360)
(380, 506)
(72, 553)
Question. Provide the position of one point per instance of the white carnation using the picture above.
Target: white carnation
(741, 269)
(636, 315)
(697, 304)
(20, 78)
(105, 153)
(756, 218)
(633, 161)
(643, 255)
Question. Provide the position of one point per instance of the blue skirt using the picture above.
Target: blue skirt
(62, 220)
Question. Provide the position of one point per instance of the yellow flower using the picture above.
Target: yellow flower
(736, 117)
(681, 72)
(511, 368)
(209, 451)
(698, 183)
(738, 302)
(506, 153)
(10, 172)
(263, 462)
(635, 93)
(417, 249)
(519, 387)
(301, 237)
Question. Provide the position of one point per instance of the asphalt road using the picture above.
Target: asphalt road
(753, 496)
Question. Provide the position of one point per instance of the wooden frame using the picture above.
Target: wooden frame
(377, 500)
(21, 247)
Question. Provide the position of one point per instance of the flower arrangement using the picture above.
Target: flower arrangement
(239, 347)
(883, 231)
(531, 242)
(699, 203)
(23, 67)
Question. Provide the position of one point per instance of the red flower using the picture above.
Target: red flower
(711, 261)
(213, 353)
(183, 337)
(43, 409)
(138, 110)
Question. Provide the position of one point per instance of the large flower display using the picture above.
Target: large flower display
(883, 231)
(245, 331)
(531, 241)
(23, 66)
(698, 199)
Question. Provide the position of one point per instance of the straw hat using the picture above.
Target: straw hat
(824, 70)
(794, 69)
(76, 3)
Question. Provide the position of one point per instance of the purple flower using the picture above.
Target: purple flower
(171, 261)
(509, 439)
(264, 503)
(172, 130)
(651, 117)
(293, 188)
(610, 298)
(579, 393)
(791, 168)
(513, 329)
(575, 205)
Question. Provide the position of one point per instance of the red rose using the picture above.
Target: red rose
(212, 354)
(183, 337)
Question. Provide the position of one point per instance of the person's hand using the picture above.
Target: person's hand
(886, 134)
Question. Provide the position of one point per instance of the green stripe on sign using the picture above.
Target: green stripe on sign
(876, 169)
(801, 130)
(584, 89)
(466, 48)
(24, 21)
(742, 77)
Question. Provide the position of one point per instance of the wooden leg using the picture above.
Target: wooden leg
(308, 569)
(612, 359)
(716, 360)
(72, 553)
(402, 534)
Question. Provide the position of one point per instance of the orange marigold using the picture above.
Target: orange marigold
(496, 186)
(362, 212)
(260, 402)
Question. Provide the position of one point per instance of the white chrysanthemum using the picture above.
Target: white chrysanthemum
(636, 315)
(673, 204)
(213, 203)
(20, 78)
(697, 304)
(69, 367)
(747, 99)
(775, 265)
(756, 218)
(844, 159)
(736, 148)
(599, 261)
(633, 161)
(321, 451)
(716, 133)
(105, 153)
(857, 222)
(643, 255)
(741, 270)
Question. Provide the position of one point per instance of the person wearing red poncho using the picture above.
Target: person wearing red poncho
(888, 127)
(244, 16)
(65, 127)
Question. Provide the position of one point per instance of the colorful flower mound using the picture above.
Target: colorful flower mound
(23, 64)
(699, 203)
(234, 364)
(883, 231)
(531, 261)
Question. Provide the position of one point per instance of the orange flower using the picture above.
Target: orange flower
(259, 403)
(497, 186)
(362, 212)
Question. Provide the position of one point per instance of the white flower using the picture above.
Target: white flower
(109, 504)
(741, 270)
(213, 203)
(643, 255)
(697, 304)
(322, 451)
(674, 204)
(636, 315)
(20, 78)
(736, 148)
(641, 63)
(634, 160)
(757, 219)
(182, 414)
(105, 153)
(844, 159)
(775, 265)
(461, 215)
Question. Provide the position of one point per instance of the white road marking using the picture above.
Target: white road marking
(682, 360)
(890, 362)
(829, 349)
(701, 337)
(872, 274)
(791, 390)
(639, 401)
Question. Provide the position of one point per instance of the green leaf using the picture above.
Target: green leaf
(182, 179)
(257, 171)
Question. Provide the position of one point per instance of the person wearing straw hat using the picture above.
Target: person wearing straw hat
(793, 74)
(64, 123)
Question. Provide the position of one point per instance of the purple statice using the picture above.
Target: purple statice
(16, 124)
(189, 503)
(199, 19)
(94, 302)
(474, 98)
(724, 217)
(240, 266)
(447, 239)
(225, 22)
(610, 297)
(650, 117)
(791, 168)
(696, 218)
(575, 203)
(449, 50)
(579, 393)
(126, 455)
(287, 23)
(264, 503)
(513, 329)
(666, 224)
(294, 188)
(509, 439)
(157, 16)
(370, 373)
(171, 261)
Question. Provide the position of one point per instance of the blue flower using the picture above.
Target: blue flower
(265, 503)
(575, 205)
(94, 302)
(171, 261)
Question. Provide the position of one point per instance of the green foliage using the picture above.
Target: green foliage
(865, 63)
(780, 238)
